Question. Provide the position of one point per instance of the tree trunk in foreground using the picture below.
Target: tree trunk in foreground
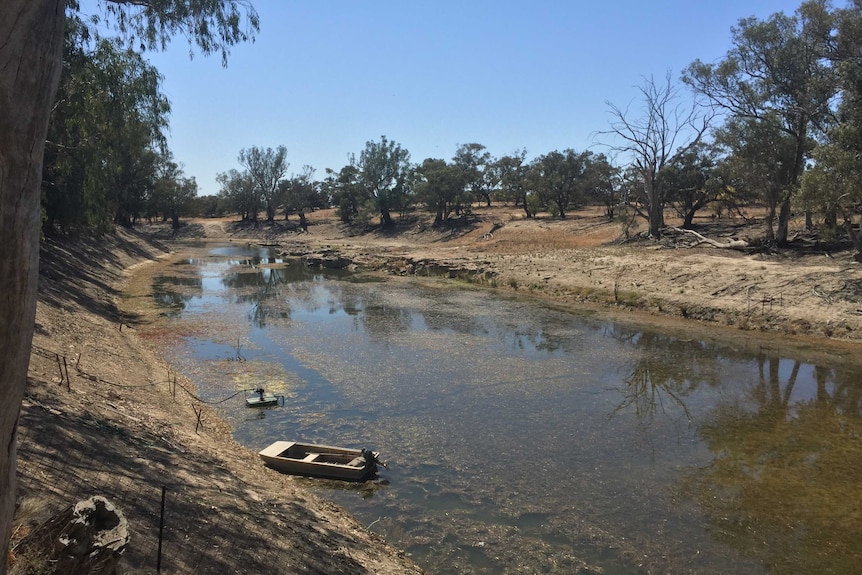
(31, 48)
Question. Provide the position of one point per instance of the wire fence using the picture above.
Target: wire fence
(213, 520)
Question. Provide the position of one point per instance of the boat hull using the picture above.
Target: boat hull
(312, 460)
(265, 401)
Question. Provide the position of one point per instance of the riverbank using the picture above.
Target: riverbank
(99, 390)
(104, 415)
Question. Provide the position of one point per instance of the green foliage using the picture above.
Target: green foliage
(208, 207)
(533, 204)
(512, 171)
(210, 25)
(173, 194)
(105, 135)
(603, 183)
(440, 186)
(267, 169)
(692, 181)
(775, 84)
(561, 180)
(344, 191)
(105, 143)
(479, 172)
(385, 177)
(105, 146)
(240, 192)
(834, 185)
(761, 160)
(301, 193)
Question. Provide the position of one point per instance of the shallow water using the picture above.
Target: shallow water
(524, 439)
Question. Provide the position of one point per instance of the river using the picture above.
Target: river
(525, 439)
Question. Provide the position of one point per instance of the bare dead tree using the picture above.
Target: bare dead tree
(665, 129)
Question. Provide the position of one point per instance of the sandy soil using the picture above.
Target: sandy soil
(110, 420)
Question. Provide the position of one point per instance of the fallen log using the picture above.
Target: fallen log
(729, 245)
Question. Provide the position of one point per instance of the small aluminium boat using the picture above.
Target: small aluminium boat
(261, 398)
(320, 460)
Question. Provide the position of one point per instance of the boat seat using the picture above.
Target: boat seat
(357, 462)
(311, 457)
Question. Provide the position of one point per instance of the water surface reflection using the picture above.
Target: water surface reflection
(523, 439)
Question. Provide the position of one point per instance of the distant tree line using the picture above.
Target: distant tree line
(775, 123)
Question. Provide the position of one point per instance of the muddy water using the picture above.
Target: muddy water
(527, 440)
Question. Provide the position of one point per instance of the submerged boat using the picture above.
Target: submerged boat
(327, 461)
(263, 399)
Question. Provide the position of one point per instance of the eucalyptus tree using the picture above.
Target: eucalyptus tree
(479, 172)
(344, 190)
(664, 129)
(104, 137)
(267, 168)
(440, 186)
(560, 179)
(512, 171)
(692, 182)
(31, 45)
(761, 158)
(777, 73)
(209, 206)
(834, 184)
(241, 193)
(173, 192)
(385, 176)
(301, 193)
(603, 183)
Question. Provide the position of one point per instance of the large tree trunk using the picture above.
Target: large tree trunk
(688, 220)
(438, 217)
(855, 237)
(770, 221)
(783, 222)
(656, 216)
(31, 47)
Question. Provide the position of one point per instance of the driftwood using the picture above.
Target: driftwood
(87, 538)
(729, 245)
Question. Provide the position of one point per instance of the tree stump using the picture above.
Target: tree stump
(87, 537)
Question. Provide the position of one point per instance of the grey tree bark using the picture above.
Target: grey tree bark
(31, 47)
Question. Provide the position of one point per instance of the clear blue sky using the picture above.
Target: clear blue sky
(324, 77)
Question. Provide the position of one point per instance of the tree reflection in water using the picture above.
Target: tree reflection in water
(666, 371)
(784, 485)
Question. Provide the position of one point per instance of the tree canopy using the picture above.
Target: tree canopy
(210, 26)
(776, 76)
(106, 135)
(385, 177)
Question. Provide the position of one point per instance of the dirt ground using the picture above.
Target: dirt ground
(103, 415)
